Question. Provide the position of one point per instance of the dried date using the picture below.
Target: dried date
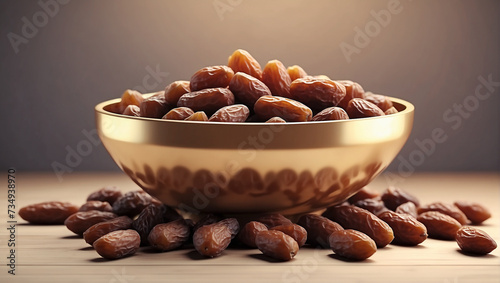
(154, 106)
(474, 241)
(118, 244)
(275, 120)
(198, 116)
(247, 89)
(289, 110)
(274, 219)
(394, 197)
(249, 232)
(364, 193)
(373, 205)
(149, 217)
(352, 244)
(132, 110)
(82, 220)
(169, 236)
(352, 90)
(445, 208)
(352, 217)
(297, 232)
(382, 101)
(360, 108)
(317, 94)
(109, 194)
(242, 61)
(276, 78)
(211, 240)
(96, 205)
(129, 97)
(475, 212)
(276, 244)
(318, 229)
(296, 72)
(208, 100)
(175, 90)
(178, 113)
(407, 229)
(211, 77)
(331, 113)
(237, 113)
(439, 225)
(48, 213)
(100, 229)
(408, 208)
(132, 203)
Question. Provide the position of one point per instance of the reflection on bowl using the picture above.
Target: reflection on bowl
(247, 168)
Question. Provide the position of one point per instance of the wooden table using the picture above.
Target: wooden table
(54, 254)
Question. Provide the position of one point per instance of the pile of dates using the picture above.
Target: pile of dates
(243, 92)
(116, 225)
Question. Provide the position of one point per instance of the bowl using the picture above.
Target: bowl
(253, 168)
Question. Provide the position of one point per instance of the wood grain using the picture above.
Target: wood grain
(54, 254)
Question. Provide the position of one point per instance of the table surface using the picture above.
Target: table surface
(54, 254)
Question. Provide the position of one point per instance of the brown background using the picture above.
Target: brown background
(429, 52)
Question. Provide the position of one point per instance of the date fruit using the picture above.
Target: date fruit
(394, 197)
(169, 236)
(475, 212)
(407, 230)
(382, 101)
(82, 220)
(48, 213)
(247, 89)
(208, 100)
(474, 241)
(352, 217)
(297, 232)
(275, 120)
(439, 225)
(317, 94)
(211, 77)
(149, 217)
(96, 205)
(132, 203)
(373, 205)
(276, 244)
(132, 110)
(242, 61)
(178, 113)
(276, 78)
(249, 232)
(129, 97)
(360, 108)
(109, 194)
(154, 106)
(198, 116)
(274, 219)
(175, 90)
(445, 208)
(237, 113)
(331, 113)
(408, 208)
(352, 90)
(318, 229)
(289, 110)
(100, 229)
(118, 244)
(296, 72)
(211, 240)
(352, 244)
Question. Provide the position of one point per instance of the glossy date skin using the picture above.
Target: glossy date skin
(289, 110)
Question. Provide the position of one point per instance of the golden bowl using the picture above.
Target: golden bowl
(253, 168)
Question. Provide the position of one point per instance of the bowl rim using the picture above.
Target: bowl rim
(100, 108)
